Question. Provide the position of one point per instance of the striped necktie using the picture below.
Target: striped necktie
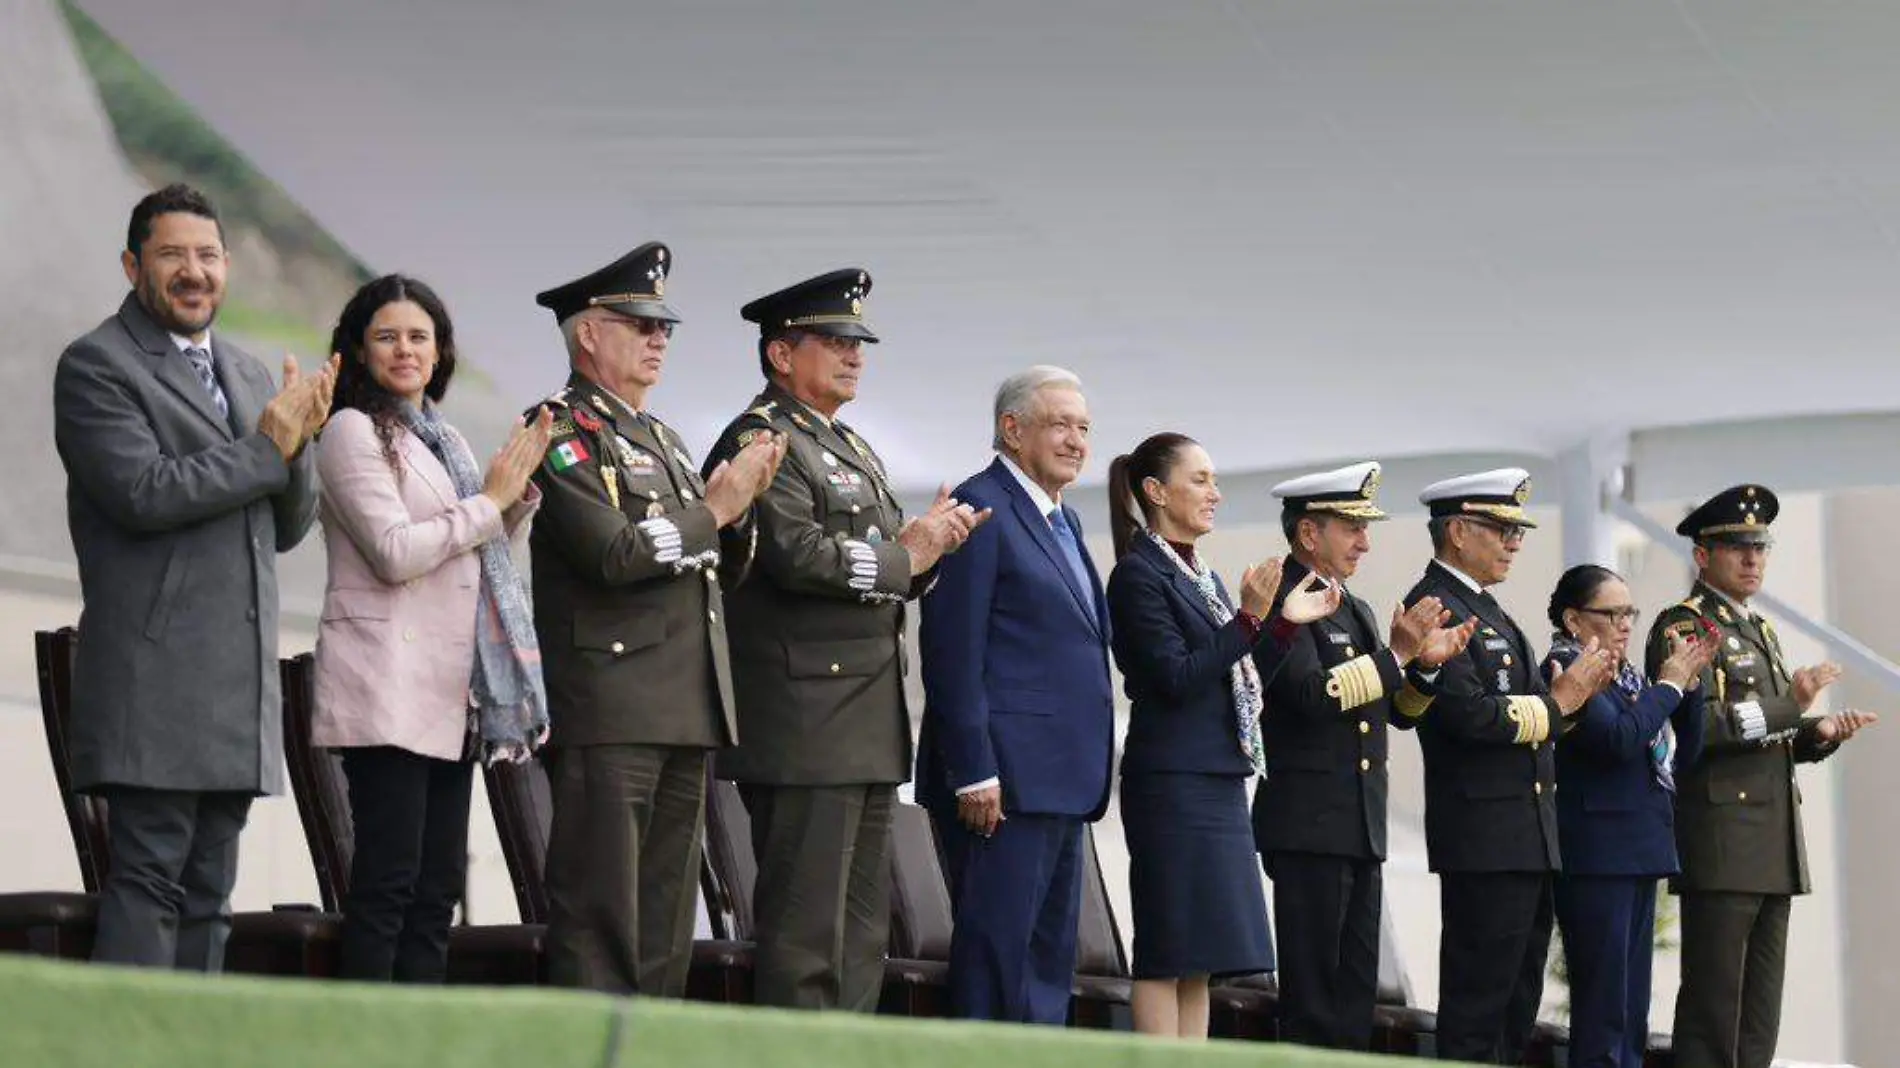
(201, 363)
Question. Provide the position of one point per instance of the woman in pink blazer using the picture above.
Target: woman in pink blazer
(426, 655)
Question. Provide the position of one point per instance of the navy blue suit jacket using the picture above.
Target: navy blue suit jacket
(1175, 661)
(1015, 665)
(1613, 817)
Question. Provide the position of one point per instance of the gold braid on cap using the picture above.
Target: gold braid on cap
(1354, 683)
(816, 320)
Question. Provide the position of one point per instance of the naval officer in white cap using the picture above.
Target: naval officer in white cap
(1490, 813)
(1319, 817)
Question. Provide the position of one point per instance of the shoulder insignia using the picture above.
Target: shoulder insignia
(567, 454)
(764, 411)
(746, 436)
(564, 428)
(557, 399)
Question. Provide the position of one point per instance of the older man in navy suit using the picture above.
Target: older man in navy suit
(1019, 714)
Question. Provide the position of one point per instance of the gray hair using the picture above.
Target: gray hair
(1018, 391)
(570, 332)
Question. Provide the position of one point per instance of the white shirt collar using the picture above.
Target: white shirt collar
(184, 343)
(1462, 577)
(1037, 495)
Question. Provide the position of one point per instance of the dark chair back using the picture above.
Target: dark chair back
(920, 899)
(523, 803)
(1098, 945)
(317, 782)
(85, 813)
(729, 854)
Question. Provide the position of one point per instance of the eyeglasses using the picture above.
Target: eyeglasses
(1625, 614)
(646, 325)
(1509, 533)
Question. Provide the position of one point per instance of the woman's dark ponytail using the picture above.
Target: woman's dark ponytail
(1153, 458)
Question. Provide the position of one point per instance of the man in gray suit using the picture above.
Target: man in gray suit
(185, 476)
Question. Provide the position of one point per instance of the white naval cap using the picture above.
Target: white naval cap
(1499, 494)
(1345, 491)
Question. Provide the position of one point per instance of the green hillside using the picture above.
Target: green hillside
(291, 276)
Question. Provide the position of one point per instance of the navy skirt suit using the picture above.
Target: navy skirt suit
(1616, 820)
(1194, 879)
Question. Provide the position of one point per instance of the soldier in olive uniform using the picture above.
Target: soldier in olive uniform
(628, 608)
(817, 653)
(1490, 814)
(1319, 816)
(1738, 809)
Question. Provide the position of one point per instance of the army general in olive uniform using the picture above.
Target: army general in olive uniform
(628, 608)
(817, 653)
(1738, 809)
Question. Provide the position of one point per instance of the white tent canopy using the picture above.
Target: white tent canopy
(1300, 231)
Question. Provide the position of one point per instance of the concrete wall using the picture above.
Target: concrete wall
(1864, 586)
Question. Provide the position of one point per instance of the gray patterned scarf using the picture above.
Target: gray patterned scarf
(1243, 678)
(508, 703)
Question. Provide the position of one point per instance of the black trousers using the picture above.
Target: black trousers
(1734, 955)
(623, 866)
(1492, 954)
(1326, 913)
(822, 903)
(166, 902)
(410, 814)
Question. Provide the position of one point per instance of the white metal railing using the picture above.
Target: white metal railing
(1863, 660)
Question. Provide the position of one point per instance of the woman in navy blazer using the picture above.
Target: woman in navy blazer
(1616, 813)
(1193, 735)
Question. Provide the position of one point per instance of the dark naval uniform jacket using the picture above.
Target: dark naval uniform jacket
(1738, 808)
(1328, 709)
(817, 609)
(626, 594)
(1488, 737)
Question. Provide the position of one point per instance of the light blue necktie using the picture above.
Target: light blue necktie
(1072, 551)
(201, 363)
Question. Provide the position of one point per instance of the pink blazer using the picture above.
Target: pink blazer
(397, 639)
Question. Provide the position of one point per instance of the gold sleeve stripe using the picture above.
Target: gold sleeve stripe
(1354, 683)
(1531, 717)
(1410, 702)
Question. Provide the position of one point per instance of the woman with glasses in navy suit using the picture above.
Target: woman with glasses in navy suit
(1616, 771)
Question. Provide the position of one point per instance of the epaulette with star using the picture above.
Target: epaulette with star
(1694, 622)
(764, 413)
(560, 404)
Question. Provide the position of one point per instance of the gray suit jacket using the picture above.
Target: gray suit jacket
(176, 521)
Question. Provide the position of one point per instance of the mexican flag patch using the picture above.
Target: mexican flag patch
(566, 454)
